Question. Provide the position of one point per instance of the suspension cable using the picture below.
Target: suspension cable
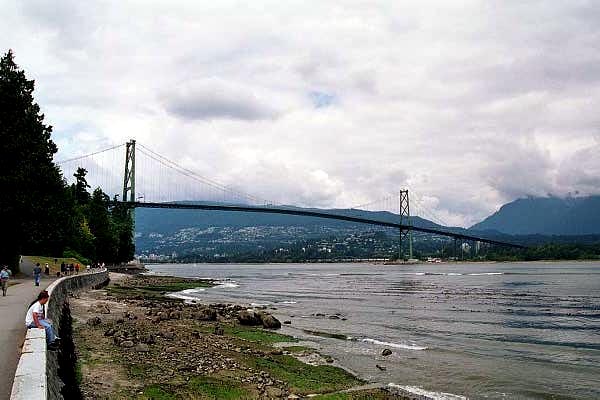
(191, 174)
(361, 206)
(89, 155)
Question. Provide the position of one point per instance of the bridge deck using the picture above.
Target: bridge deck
(316, 214)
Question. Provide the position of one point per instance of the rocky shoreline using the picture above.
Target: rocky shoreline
(133, 342)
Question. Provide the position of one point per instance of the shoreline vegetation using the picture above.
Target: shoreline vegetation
(542, 252)
(134, 342)
(381, 262)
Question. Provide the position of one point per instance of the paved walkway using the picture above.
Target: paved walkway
(12, 328)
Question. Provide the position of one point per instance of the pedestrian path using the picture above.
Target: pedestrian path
(12, 327)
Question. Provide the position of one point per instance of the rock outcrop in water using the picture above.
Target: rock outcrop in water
(269, 321)
(248, 318)
(251, 318)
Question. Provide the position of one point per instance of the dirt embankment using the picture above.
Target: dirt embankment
(133, 342)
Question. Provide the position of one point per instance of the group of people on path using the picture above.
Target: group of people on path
(69, 269)
(5, 275)
(65, 270)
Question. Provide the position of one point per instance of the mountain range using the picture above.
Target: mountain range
(531, 220)
(545, 216)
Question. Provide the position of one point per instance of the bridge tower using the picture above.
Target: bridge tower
(129, 177)
(405, 234)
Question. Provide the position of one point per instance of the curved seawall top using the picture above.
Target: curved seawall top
(36, 377)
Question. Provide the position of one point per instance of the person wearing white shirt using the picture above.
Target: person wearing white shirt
(36, 318)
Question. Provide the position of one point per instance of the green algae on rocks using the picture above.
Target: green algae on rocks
(134, 343)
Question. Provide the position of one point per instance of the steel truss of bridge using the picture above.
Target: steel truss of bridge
(316, 214)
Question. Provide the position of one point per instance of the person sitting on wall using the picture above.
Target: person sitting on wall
(36, 318)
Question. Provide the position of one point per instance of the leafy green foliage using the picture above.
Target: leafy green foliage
(549, 251)
(40, 214)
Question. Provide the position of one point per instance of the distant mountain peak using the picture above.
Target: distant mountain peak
(549, 215)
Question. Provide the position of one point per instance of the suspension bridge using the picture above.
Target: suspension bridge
(151, 180)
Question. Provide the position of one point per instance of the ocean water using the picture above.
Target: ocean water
(477, 331)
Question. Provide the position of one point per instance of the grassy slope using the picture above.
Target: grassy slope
(50, 260)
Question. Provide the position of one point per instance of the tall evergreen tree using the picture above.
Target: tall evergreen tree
(123, 219)
(81, 186)
(103, 228)
(32, 190)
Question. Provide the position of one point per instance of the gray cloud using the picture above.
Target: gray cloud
(521, 170)
(216, 99)
(469, 105)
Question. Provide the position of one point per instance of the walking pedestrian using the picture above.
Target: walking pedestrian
(77, 268)
(37, 274)
(4, 276)
(36, 318)
(63, 267)
(47, 269)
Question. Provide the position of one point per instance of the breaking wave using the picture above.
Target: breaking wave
(404, 346)
(426, 393)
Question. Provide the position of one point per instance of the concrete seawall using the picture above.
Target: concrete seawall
(39, 374)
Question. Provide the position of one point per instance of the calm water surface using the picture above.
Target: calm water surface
(482, 331)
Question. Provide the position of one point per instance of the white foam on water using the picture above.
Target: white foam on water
(419, 273)
(260, 304)
(194, 290)
(288, 302)
(226, 285)
(453, 274)
(487, 273)
(185, 294)
(426, 393)
(394, 345)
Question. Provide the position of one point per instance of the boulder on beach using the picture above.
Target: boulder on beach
(149, 339)
(142, 348)
(206, 314)
(249, 318)
(109, 332)
(269, 321)
(168, 335)
(94, 321)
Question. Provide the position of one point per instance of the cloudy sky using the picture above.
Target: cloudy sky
(330, 103)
